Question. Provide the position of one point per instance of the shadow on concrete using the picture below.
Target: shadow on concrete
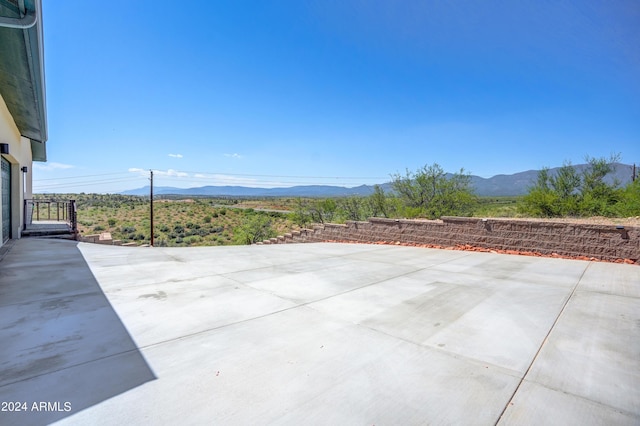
(63, 346)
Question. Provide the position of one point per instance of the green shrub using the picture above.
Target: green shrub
(628, 204)
(435, 193)
(193, 239)
(352, 208)
(256, 228)
(411, 212)
(569, 193)
(203, 232)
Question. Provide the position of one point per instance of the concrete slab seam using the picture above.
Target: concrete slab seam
(186, 336)
(167, 282)
(46, 299)
(591, 401)
(454, 355)
(305, 304)
(544, 341)
(225, 275)
(462, 254)
(137, 349)
(604, 293)
(221, 274)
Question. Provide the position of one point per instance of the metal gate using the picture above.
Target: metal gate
(5, 180)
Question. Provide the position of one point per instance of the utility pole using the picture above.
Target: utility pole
(633, 176)
(151, 206)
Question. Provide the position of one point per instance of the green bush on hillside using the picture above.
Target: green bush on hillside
(430, 193)
(569, 193)
(256, 228)
(629, 201)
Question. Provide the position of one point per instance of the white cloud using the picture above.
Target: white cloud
(175, 155)
(170, 172)
(202, 179)
(234, 155)
(141, 172)
(222, 179)
(52, 166)
(232, 180)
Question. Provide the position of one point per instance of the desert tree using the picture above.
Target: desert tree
(570, 192)
(378, 203)
(432, 193)
(323, 211)
(256, 228)
(353, 208)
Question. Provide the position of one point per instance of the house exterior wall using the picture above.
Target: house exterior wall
(19, 156)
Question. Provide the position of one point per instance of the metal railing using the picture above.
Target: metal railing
(51, 210)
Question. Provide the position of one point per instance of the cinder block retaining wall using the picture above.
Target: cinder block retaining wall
(104, 238)
(603, 242)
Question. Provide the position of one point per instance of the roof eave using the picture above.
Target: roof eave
(22, 80)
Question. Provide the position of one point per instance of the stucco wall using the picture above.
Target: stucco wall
(19, 156)
(569, 239)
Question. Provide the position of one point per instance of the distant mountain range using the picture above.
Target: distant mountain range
(244, 191)
(499, 185)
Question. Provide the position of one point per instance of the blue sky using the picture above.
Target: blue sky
(284, 93)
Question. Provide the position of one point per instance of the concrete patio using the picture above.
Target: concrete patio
(315, 334)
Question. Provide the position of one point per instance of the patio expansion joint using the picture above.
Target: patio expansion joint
(607, 293)
(542, 344)
(584, 398)
(213, 274)
(461, 255)
(475, 361)
(304, 304)
(247, 285)
(160, 283)
(54, 297)
(68, 367)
